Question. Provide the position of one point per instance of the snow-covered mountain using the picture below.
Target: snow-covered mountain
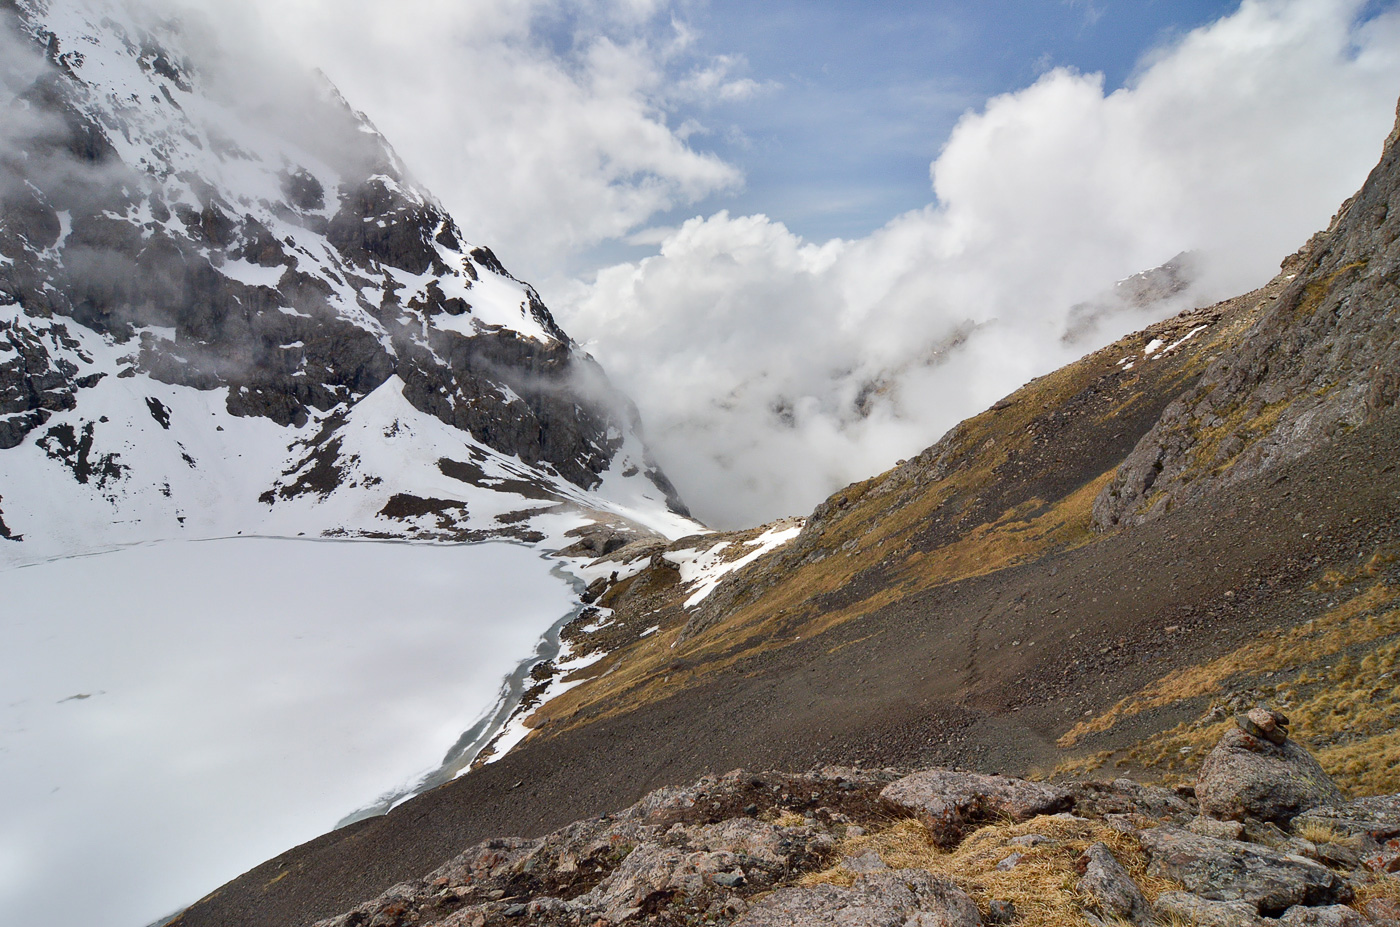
(225, 307)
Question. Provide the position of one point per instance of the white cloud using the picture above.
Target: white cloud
(541, 124)
(715, 81)
(771, 370)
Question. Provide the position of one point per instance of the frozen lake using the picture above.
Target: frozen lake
(173, 714)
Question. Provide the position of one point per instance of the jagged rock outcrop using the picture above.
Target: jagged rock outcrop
(769, 849)
(1230, 870)
(1324, 358)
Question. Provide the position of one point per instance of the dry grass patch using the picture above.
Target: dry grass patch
(789, 818)
(1347, 711)
(1333, 580)
(1042, 883)
(1319, 832)
(1370, 766)
(1354, 622)
(1378, 886)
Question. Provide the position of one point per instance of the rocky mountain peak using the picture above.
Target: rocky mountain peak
(170, 217)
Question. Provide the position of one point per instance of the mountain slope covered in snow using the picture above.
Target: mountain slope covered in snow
(225, 307)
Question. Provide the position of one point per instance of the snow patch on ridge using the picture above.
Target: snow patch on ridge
(702, 570)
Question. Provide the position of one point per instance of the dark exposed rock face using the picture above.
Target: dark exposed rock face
(1323, 359)
(295, 305)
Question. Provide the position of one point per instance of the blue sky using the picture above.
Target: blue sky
(859, 99)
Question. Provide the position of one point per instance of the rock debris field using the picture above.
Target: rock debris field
(1263, 837)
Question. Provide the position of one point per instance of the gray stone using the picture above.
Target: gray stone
(869, 861)
(1011, 862)
(1385, 857)
(1266, 833)
(1220, 830)
(1377, 817)
(1382, 912)
(1124, 797)
(1033, 840)
(1337, 855)
(1332, 915)
(1001, 912)
(1227, 870)
(1246, 777)
(1115, 893)
(1205, 912)
(952, 803)
(654, 872)
(907, 898)
(1265, 724)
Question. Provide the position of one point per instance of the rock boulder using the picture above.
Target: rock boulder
(1228, 870)
(908, 898)
(1115, 893)
(1251, 777)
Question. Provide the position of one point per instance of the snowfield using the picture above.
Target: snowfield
(172, 714)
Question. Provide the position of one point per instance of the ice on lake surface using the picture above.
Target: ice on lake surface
(173, 714)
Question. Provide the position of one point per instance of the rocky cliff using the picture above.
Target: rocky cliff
(200, 264)
(1323, 358)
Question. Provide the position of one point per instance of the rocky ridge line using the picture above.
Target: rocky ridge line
(1324, 358)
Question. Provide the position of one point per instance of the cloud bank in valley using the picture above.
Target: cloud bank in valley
(771, 370)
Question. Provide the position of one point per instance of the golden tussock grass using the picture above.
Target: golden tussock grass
(1041, 885)
(1333, 579)
(1319, 832)
(1370, 766)
(789, 819)
(1353, 622)
(1347, 711)
(1377, 887)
